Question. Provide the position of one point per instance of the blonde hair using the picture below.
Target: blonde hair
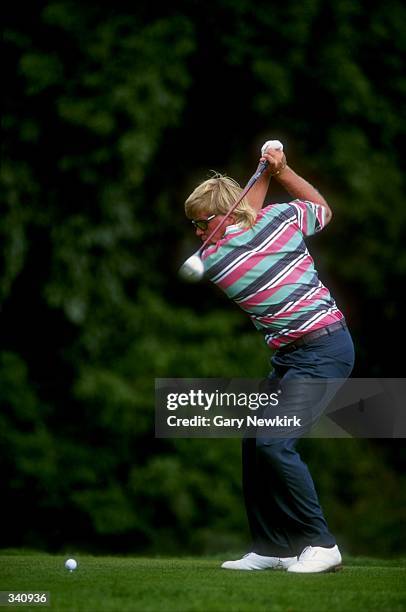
(215, 196)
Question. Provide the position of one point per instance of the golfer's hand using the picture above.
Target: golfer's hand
(276, 160)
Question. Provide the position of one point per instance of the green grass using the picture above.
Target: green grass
(197, 584)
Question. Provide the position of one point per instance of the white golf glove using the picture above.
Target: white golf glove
(271, 144)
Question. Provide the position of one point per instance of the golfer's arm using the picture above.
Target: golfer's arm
(297, 187)
(257, 194)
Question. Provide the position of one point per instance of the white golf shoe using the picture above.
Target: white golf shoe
(317, 559)
(252, 561)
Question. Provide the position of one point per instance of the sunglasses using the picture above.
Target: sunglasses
(203, 223)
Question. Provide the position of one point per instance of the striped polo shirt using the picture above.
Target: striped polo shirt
(268, 271)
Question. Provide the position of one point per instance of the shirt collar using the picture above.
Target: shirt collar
(232, 228)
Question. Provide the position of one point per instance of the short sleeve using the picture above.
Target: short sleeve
(311, 217)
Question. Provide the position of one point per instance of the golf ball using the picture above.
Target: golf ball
(71, 564)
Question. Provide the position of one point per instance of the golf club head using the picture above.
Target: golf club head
(192, 270)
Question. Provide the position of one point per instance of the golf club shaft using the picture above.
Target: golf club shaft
(246, 189)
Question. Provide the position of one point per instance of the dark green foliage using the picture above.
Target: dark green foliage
(111, 116)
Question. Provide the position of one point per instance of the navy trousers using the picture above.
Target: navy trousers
(283, 510)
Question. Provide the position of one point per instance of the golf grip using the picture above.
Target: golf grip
(246, 189)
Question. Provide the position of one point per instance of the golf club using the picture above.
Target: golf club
(193, 269)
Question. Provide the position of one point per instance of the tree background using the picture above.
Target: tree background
(111, 116)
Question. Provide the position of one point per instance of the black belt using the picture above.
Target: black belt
(318, 333)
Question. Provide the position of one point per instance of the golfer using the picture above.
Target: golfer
(260, 260)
